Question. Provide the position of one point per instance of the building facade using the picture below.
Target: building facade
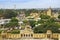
(28, 33)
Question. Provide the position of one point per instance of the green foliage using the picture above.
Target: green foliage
(25, 21)
(27, 12)
(47, 25)
(13, 23)
(15, 31)
(51, 20)
(44, 16)
(34, 10)
(43, 28)
(10, 14)
(59, 11)
(59, 16)
(1, 31)
(32, 23)
(1, 12)
(53, 27)
(41, 21)
(39, 29)
(14, 20)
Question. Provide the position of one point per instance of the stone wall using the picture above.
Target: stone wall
(35, 36)
(59, 37)
(39, 36)
(13, 35)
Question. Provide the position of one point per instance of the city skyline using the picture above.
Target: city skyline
(21, 4)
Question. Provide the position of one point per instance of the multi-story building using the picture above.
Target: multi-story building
(28, 33)
(4, 21)
(21, 16)
(49, 12)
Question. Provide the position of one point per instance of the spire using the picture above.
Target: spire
(50, 8)
(15, 7)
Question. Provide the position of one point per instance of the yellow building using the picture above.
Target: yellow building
(29, 34)
(49, 12)
(55, 14)
(34, 15)
(21, 16)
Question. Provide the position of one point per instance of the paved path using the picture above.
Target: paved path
(27, 39)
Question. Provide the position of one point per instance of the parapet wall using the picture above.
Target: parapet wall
(35, 36)
(9, 35)
(39, 36)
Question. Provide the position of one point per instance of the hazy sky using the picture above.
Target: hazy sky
(29, 3)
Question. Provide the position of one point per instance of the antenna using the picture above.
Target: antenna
(15, 7)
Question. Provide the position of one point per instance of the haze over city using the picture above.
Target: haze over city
(9, 4)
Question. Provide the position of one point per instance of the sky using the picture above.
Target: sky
(21, 4)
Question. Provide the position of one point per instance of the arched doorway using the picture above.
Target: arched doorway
(49, 34)
(26, 36)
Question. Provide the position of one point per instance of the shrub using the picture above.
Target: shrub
(15, 32)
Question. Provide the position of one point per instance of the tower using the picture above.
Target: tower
(27, 32)
(49, 12)
(21, 16)
(15, 7)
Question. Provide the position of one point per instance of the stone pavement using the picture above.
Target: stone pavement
(27, 39)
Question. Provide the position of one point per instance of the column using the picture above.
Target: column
(59, 37)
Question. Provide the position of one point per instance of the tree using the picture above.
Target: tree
(51, 20)
(53, 27)
(41, 21)
(59, 11)
(32, 23)
(10, 14)
(27, 12)
(1, 13)
(44, 16)
(34, 10)
(25, 22)
(39, 29)
(48, 25)
(13, 23)
(59, 16)
(43, 28)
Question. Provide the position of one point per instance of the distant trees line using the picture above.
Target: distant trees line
(50, 24)
(9, 13)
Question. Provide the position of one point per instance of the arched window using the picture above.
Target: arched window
(48, 36)
(24, 35)
(31, 35)
(21, 35)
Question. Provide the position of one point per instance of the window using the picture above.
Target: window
(31, 35)
(21, 35)
(48, 36)
(24, 35)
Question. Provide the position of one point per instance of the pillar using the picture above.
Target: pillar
(59, 37)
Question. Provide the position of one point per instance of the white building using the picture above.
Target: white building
(3, 21)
